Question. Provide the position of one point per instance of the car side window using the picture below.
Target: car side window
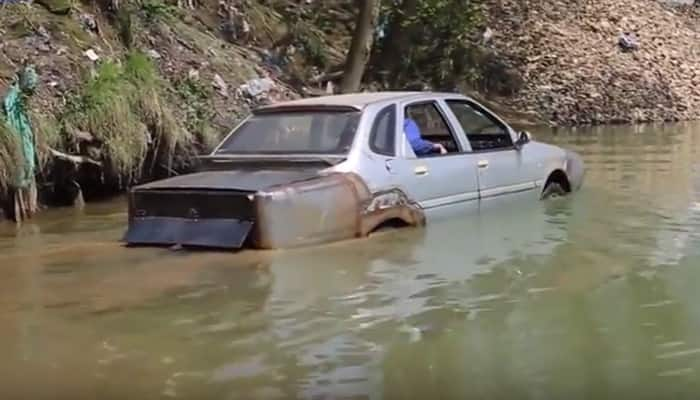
(382, 138)
(483, 132)
(426, 126)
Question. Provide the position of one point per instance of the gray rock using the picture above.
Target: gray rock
(220, 85)
(89, 23)
(154, 54)
(257, 87)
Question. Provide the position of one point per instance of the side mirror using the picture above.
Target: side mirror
(523, 138)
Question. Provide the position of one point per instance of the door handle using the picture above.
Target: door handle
(422, 170)
(483, 164)
(387, 165)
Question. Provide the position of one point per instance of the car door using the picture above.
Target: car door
(437, 180)
(379, 152)
(502, 169)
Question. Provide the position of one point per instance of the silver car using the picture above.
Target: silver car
(338, 167)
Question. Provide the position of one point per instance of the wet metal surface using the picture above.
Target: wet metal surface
(593, 296)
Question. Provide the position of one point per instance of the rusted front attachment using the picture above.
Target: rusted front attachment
(233, 210)
(333, 207)
(193, 217)
(224, 233)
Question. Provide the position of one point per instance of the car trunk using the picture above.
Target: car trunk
(209, 208)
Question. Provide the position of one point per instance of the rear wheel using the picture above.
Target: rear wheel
(553, 190)
(388, 226)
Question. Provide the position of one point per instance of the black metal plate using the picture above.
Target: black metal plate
(222, 233)
(203, 205)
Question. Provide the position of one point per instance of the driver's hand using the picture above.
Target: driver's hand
(440, 147)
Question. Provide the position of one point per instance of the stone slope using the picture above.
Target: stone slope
(574, 71)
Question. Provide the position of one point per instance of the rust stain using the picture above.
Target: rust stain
(333, 207)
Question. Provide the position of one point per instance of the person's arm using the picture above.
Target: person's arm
(420, 145)
(423, 146)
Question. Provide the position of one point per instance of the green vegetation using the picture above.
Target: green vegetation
(311, 44)
(151, 12)
(122, 107)
(156, 10)
(428, 41)
(47, 133)
(124, 25)
(198, 111)
(61, 7)
(10, 157)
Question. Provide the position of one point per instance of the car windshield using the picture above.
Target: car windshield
(319, 132)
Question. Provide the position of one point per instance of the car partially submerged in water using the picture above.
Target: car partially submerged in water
(338, 167)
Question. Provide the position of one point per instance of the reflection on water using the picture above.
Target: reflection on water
(587, 297)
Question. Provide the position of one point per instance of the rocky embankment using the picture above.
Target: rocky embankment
(575, 72)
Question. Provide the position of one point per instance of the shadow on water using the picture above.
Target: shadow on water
(586, 297)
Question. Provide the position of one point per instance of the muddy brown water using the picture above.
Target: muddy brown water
(594, 296)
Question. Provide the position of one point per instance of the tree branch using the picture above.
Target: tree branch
(73, 158)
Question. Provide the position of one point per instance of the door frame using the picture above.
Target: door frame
(417, 164)
(481, 156)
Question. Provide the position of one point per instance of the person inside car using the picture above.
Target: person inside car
(420, 146)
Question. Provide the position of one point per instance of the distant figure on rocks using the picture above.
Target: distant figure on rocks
(628, 42)
(22, 200)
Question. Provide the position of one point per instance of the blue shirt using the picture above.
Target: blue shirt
(419, 145)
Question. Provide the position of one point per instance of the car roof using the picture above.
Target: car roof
(356, 101)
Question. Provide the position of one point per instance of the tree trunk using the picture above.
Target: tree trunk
(361, 46)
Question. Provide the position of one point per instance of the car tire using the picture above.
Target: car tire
(553, 190)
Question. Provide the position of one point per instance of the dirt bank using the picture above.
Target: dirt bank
(575, 73)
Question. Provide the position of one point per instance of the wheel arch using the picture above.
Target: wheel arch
(390, 222)
(560, 177)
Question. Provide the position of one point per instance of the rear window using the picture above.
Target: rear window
(326, 132)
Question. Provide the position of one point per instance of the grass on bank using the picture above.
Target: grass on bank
(122, 106)
(11, 158)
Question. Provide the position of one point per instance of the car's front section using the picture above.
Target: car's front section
(556, 165)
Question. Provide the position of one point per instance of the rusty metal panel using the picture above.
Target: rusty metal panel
(388, 205)
(220, 233)
(314, 211)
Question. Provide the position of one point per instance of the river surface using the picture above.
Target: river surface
(587, 297)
